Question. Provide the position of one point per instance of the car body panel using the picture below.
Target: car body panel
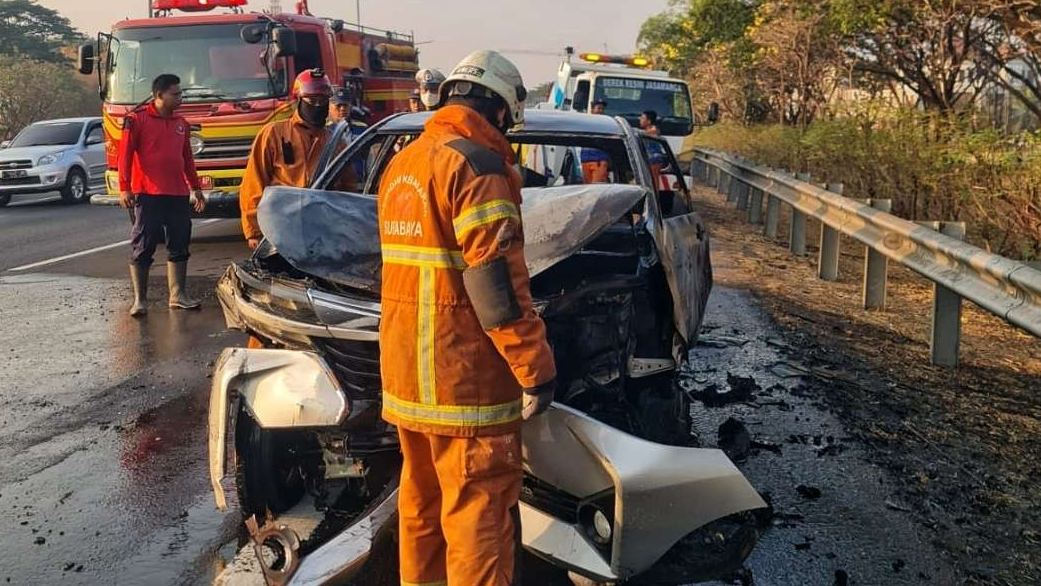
(279, 388)
(335, 236)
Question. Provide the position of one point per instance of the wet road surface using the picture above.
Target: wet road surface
(102, 427)
(102, 417)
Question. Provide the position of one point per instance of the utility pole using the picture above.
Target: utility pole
(357, 13)
(148, 11)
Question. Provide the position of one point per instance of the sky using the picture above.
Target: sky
(449, 29)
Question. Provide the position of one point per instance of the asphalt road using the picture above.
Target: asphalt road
(102, 417)
(103, 425)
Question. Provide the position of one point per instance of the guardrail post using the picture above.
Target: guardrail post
(876, 267)
(946, 329)
(828, 255)
(732, 186)
(797, 236)
(773, 215)
(721, 181)
(755, 206)
(742, 195)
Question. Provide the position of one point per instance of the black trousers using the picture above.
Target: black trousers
(159, 218)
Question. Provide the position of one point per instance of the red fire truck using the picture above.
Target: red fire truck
(236, 68)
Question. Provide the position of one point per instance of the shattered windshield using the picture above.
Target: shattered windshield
(213, 62)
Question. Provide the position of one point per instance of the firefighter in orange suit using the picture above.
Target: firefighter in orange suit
(467, 358)
(286, 152)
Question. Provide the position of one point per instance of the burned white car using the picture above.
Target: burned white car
(620, 274)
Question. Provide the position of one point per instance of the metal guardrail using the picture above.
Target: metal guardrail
(1009, 289)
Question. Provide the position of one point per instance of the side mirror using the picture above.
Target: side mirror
(337, 25)
(713, 113)
(252, 33)
(86, 58)
(285, 41)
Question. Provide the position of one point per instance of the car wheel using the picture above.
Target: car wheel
(5, 198)
(268, 466)
(75, 190)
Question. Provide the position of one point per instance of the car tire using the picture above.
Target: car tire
(5, 198)
(75, 189)
(268, 467)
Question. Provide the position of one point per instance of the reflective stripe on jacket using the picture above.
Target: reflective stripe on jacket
(448, 201)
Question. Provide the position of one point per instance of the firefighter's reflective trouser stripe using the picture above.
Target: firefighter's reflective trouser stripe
(455, 501)
(594, 172)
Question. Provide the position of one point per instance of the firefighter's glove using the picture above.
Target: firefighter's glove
(537, 399)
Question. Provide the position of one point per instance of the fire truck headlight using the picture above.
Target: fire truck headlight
(197, 144)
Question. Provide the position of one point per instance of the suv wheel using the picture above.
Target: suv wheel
(5, 198)
(75, 190)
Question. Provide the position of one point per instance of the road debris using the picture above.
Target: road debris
(734, 439)
(897, 507)
(809, 492)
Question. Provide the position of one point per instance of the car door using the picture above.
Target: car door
(94, 152)
(683, 241)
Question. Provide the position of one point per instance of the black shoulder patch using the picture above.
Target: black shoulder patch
(482, 160)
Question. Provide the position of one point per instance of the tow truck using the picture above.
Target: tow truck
(629, 88)
(236, 68)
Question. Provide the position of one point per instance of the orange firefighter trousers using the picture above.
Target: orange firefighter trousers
(456, 509)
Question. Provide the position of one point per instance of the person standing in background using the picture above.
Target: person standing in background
(156, 172)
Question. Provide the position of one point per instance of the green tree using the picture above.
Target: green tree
(678, 37)
(20, 94)
(929, 47)
(34, 31)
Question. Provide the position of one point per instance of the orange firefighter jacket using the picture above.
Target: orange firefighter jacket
(448, 201)
(284, 153)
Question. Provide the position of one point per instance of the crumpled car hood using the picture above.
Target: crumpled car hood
(335, 235)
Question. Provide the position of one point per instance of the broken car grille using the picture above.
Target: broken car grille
(355, 364)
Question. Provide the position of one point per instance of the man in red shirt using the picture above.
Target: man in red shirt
(156, 169)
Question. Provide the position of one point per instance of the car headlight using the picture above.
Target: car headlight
(197, 144)
(50, 159)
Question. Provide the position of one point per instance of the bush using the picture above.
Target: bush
(36, 90)
(933, 168)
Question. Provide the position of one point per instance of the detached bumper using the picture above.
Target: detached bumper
(219, 204)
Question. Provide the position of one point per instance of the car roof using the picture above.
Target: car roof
(82, 119)
(536, 121)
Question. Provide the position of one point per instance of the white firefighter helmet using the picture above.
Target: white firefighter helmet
(484, 72)
(429, 81)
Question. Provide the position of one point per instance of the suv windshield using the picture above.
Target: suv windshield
(48, 133)
(213, 62)
(629, 97)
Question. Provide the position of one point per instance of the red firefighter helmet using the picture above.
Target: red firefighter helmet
(312, 82)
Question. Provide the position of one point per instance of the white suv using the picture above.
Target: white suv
(66, 155)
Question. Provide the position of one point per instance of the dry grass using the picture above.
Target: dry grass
(965, 438)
